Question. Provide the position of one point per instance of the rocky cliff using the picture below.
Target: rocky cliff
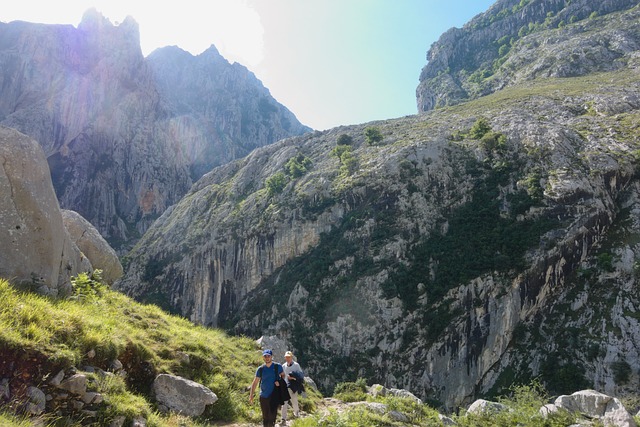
(122, 146)
(451, 253)
(221, 109)
(520, 40)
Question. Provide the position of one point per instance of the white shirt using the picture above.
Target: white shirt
(288, 369)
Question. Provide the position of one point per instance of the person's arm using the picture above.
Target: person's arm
(255, 382)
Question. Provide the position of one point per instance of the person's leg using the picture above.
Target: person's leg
(285, 408)
(294, 403)
(265, 406)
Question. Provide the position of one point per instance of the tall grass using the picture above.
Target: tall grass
(64, 331)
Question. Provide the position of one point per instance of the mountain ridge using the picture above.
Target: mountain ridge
(119, 154)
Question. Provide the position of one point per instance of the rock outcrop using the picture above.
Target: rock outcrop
(516, 41)
(93, 246)
(181, 395)
(121, 146)
(37, 250)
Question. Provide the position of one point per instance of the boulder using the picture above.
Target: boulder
(275, 343)
(593, 404)
(37, 251)
(93, 246)
(76, 384)
(37, 401)
(57, 379)
(309, 382)
(482, 406)
(377, 390)
(182, 395)
(404, 394)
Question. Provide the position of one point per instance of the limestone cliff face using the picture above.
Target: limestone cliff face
(470, 247)
(37, 251)
(222, 109)
(120, 147)
(516, 41)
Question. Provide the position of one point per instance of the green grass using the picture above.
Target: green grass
(61, 333)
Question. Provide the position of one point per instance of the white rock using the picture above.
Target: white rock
(182, 395)
(597, 405)
(377, 390)
(548, 409)
(404, 394)
(617, 415)
(482, 406)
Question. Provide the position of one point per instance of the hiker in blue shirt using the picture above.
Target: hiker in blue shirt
(266, 376)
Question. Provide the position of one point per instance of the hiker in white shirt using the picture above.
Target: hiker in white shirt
(290, 367)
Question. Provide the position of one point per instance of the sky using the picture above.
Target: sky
(331, 62)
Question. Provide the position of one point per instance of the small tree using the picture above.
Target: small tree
(344, 139)
(297, 166)
(479, 128)
(373, 135)
(276, 183)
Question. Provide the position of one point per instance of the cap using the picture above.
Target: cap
(267, 352)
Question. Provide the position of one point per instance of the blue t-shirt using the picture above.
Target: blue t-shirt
(268, 376)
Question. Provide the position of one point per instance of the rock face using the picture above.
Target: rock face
(221, 109)
(36, 250)
(93, 246)
(516, 41)
(439, 260)
(181, 395)
(122, 146)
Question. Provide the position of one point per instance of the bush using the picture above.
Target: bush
(88, 287)
(351, 391)
(373, 135)
(298, 166)
(480, 128)
(276, 183)
(344, 139)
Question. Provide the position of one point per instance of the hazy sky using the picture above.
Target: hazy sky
(331, 62)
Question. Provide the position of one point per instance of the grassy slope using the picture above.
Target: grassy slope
(60, 333)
